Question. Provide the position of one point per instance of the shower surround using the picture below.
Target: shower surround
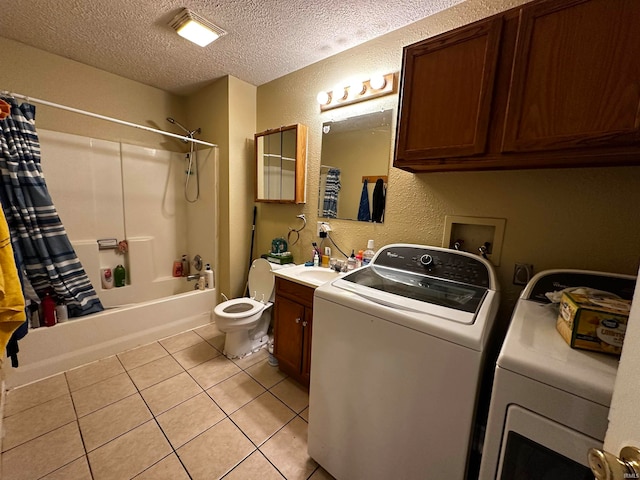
(105, 189)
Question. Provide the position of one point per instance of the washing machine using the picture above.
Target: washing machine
(396, 360)
(549, 402)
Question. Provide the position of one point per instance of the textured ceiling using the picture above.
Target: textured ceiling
(266, 38)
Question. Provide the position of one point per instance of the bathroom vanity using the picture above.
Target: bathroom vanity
(293, 318)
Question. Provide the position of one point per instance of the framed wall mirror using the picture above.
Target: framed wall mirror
(354, 169)
(281, 164)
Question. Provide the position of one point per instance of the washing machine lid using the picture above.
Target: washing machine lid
(261, 280)
(421, 288)
(534, 349)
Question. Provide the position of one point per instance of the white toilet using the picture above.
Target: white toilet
(246, 320)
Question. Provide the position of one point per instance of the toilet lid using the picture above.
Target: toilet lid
(261, 280)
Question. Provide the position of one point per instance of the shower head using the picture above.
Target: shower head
(191, 133)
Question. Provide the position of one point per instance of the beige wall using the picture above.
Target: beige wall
(229, 118)
(556, 218)
(39, 74)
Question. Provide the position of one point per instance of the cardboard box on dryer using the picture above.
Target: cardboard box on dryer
(592, 321)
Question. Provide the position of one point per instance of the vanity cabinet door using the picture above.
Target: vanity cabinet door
(576, 76)
(288, 334)
(306, 351)
(446, 92)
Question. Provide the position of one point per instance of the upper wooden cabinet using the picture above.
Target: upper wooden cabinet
(555, 83)
(447, 86)
(576, 76)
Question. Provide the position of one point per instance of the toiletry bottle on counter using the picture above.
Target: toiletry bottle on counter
(119, 276)
(48, 310)
(368, 254)
(107, 278)
(351, 262)
(359, 257)
(201, 282)
(208, 274)
(316, 259)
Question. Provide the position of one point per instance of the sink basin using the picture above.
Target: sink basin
(320, 275)
(310, 276)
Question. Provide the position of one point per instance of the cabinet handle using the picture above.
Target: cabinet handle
(297, 320)
(304, 324)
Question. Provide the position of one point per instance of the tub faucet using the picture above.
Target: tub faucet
(195, 276)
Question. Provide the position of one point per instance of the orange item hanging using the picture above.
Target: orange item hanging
(5, 109)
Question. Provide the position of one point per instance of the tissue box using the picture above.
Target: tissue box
(593, 322)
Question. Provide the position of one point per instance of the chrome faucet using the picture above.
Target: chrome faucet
(195, 276)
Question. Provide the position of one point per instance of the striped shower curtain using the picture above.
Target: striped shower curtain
(331, 190)
(38, 235)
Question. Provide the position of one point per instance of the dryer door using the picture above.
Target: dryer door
(533, 447)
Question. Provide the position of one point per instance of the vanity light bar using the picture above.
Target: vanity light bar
(375, 87)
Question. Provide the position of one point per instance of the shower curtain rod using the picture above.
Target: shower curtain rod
(109, 119)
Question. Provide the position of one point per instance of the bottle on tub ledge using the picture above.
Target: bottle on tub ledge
(48, 310)
(120, 276)
(106, 275)
(208, 276)
(186, 269)
(177, 268)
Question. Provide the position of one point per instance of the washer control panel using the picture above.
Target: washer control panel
(446, 264)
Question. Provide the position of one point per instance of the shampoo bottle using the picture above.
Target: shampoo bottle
(208, 275)
(49, 310)
(119, 276)
(185, 266)
(107, 278)
(62, 315)
(177, 268)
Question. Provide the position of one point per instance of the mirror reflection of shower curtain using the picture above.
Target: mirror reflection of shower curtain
(48, 257)
(331, 191)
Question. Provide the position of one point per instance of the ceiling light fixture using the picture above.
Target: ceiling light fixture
(195, 28)
(377, 86)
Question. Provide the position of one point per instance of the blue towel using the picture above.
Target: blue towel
(364, 213)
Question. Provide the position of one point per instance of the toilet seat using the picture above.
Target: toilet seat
(261, 284)
(261, 280)
(239, 308)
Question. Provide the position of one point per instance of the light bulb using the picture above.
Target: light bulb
(378, 82)
(339, 92)
(323, 98)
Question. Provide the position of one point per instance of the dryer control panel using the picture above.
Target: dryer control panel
(440, 263)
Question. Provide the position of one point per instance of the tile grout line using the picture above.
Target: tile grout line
(203, 390)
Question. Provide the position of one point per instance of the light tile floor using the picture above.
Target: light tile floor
(174, 409)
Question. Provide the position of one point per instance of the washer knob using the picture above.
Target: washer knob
(426, 260)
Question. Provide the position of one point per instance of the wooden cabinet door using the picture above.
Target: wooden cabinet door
(288, 335)
(447, 87)
(306, 354)
(576, 76)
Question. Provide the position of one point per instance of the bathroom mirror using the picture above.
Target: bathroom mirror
(281, 164)
(355, 166)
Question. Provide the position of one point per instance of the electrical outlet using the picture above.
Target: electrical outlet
(319, 229)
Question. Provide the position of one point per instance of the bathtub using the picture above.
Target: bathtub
(48, 351)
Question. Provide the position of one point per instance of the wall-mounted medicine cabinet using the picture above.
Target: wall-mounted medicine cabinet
(281, 164)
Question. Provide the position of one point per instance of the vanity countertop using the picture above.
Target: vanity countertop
(310, 276)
